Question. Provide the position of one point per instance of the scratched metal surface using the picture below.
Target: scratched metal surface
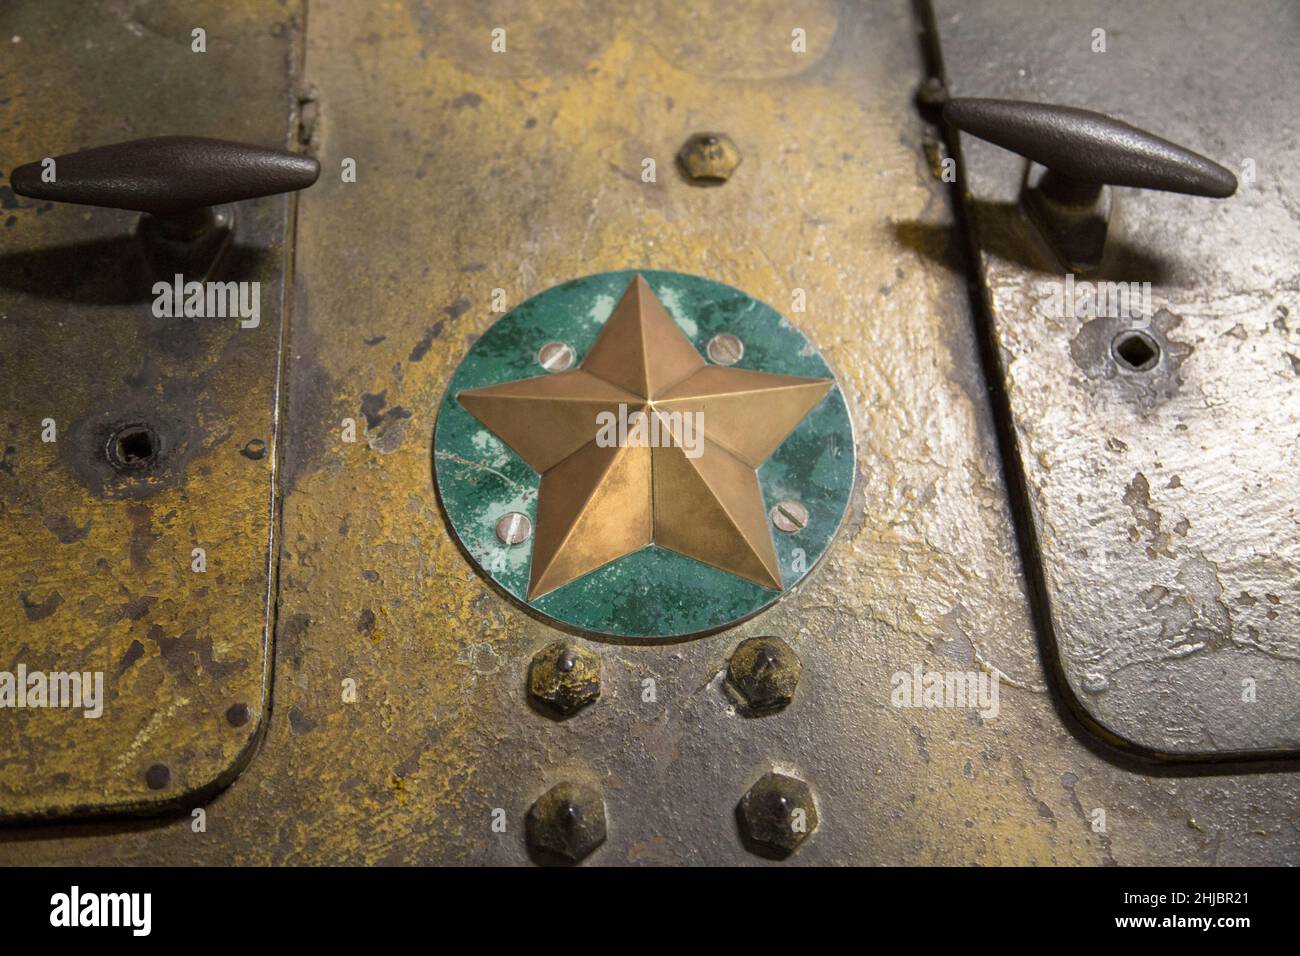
(480, 171)
(95, 570)
(1164, 502)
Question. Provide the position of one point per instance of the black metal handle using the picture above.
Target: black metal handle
(1090, 148)
(168, 175)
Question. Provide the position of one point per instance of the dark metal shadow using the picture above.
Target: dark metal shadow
(105, 271)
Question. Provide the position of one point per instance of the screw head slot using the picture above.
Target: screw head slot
(514, 528)
(789, 516)
(725, 349)
(556, 356)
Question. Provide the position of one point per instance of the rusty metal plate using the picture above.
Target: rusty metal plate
(129, 441)
(479, 171)
(1158, 445)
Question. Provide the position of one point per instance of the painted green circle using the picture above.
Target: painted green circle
(652, 593)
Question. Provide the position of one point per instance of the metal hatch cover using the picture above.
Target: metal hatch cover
(130, 441)
(1157, 441)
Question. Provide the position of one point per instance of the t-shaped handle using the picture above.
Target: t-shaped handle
(1090, 148)
(182, 183)
(166, 176)
(1078, 153)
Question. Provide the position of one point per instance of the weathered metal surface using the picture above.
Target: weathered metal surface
(163, 429)
(615, 553)
(521, 170)
(1162, 497)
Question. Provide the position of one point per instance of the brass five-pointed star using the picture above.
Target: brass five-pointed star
(598, 503)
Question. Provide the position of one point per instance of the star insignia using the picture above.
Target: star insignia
(598, 502)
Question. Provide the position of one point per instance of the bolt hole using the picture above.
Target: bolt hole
(1135, 350)
(133, 447)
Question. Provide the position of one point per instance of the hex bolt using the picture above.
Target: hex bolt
(709, 158)
(514, 527)
(776, 815)
(789, 516)
(764, 672)
(238, 714)
(566, 824)
(556, 356)
(563, 678)
(725, 349)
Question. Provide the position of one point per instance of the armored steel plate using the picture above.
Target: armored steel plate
(138, 451)
(1156, 425)
(648, 568)
(401, 730)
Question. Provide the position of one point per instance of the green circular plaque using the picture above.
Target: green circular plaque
(754, 494)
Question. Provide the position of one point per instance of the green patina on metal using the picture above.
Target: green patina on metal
(653, 593)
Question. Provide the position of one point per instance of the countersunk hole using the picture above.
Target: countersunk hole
(254, 449)
(158, 776)
(1135, 350)
(133, 447)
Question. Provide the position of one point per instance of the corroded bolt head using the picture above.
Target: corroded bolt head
(709, 157)
(764, 671)
(776, 815)
(566, 823)
(564, 678)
